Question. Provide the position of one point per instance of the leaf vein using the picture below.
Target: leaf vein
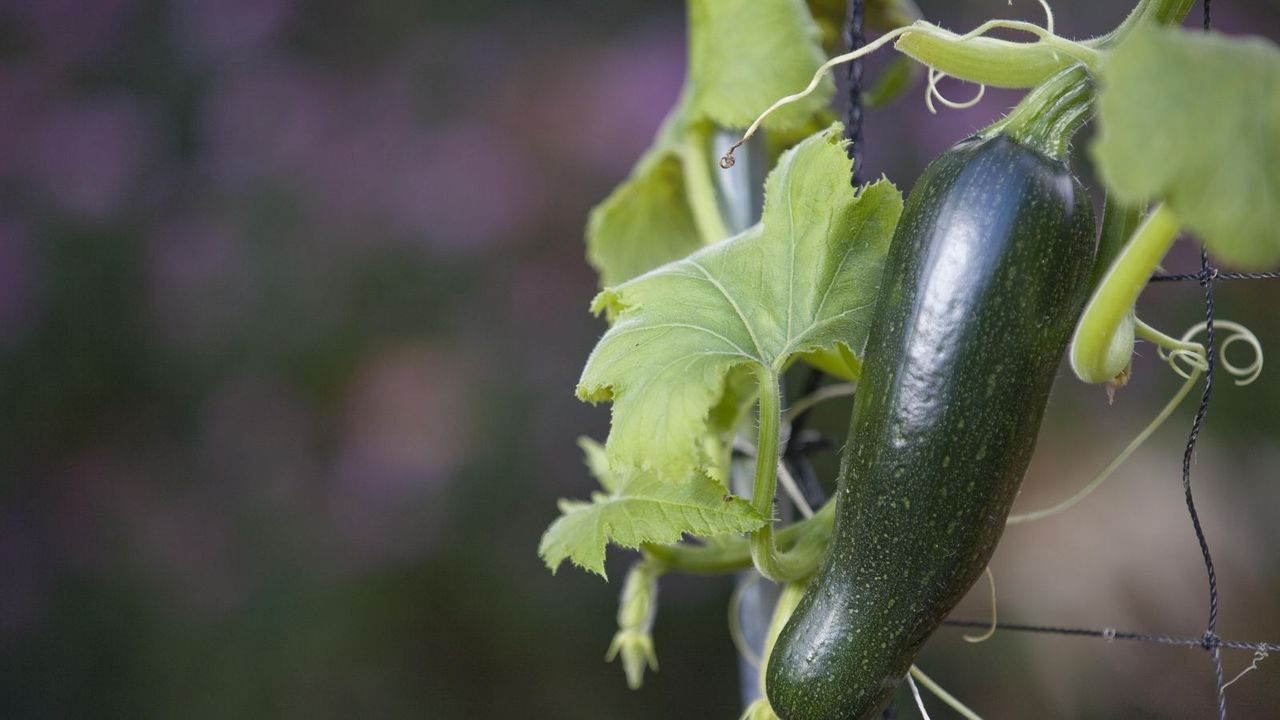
(734, 303)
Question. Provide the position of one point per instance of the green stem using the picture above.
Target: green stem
(1165, 342)
(766, 478)
(780, 566)
(769, 561)
(1049, 115)
(701, 559)
(991, 61)
(807, 539)
(698, 185)
(1096, 356)
(1162, 12)
(1165, 12)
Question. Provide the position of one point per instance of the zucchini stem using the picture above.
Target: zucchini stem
(1048, 117)
(790, 598)
(701, 559)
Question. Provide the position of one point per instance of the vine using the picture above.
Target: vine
(703, 331)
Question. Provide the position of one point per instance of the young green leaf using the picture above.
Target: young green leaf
(803, 279)
(1194, 120)
(641, 507)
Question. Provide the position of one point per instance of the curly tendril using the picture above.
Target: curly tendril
(1239, 333)
(1188, 360)
(1187, 357)
(932, 92)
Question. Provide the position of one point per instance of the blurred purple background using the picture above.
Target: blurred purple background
(292, 303)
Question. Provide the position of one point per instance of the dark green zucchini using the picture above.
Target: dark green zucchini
(983, 284)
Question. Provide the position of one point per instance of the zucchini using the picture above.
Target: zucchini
(982, 287)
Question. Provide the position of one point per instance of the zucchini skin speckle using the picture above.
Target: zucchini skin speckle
(982, 287)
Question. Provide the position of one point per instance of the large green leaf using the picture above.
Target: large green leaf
(803, 279)
(1194, 120)
(639, 507)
